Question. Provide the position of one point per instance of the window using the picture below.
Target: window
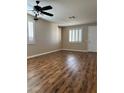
(30, 32)
(75, 35)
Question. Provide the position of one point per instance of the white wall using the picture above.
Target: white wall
(76, 46)
(47, 37)
(92, 38)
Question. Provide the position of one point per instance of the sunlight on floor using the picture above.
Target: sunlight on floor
(72, 63)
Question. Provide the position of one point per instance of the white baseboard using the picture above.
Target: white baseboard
(42, 54)
(75, 50)
(78, 50)
(55, 51)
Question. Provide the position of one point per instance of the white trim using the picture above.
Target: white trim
(55, 51)
(75, 50)
(42, 54)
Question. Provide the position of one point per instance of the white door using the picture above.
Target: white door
(92, 38)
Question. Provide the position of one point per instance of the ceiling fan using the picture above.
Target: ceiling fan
(41, 10)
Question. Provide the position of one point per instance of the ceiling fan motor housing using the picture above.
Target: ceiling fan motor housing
(37, 8)
(37, 2)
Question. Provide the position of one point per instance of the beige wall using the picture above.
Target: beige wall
(47, 37)
(77, 46)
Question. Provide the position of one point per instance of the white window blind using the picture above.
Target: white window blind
(30, 34)
(75, 35)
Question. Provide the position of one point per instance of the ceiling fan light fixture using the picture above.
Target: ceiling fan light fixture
(72, 17)
(35, 17)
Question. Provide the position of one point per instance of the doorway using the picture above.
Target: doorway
(92, 38)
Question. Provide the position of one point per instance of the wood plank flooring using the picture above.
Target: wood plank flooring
(62, 72)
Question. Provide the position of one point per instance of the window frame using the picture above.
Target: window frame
(74, 35)
(28, 40)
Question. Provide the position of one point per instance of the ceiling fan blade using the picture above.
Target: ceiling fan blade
(37, 8)
(49, 14)
(47, 7)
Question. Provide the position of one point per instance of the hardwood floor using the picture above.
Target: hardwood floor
(62, 72)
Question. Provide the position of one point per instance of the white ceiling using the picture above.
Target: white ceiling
(85, 11)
